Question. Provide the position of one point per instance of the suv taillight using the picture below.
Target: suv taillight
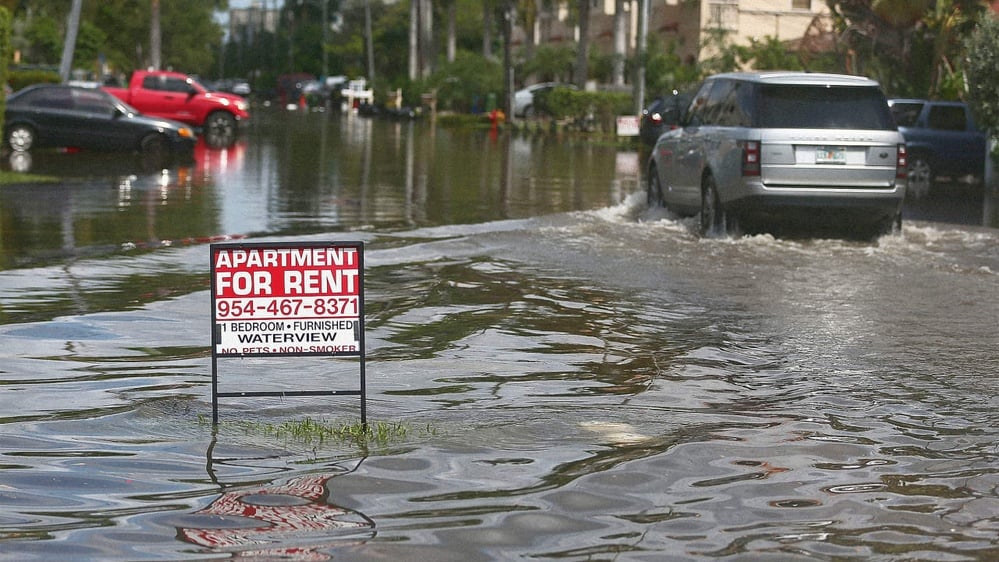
(902, 164)
(751, 158)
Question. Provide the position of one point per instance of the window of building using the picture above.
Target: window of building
(724, 14)
(801, 5)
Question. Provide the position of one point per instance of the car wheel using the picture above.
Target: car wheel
(920, 177)
(712, 214)
(220, 129)
(891, 226)
(153, 143)
(154, 151)
(21, 138)
(654, 190)
(529, 112)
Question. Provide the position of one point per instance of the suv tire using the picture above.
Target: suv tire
(712, 213)
(654, 191)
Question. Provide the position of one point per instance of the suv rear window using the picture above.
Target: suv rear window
(821, 107)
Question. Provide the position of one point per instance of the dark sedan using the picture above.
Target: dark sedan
(664, 113)
(55, 115)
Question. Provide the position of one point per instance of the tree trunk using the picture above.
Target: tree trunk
(487, 29)
(452, 29)
(581, 70)
(620, 41)
(414, 39)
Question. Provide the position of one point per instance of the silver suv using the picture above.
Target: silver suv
(758, 148)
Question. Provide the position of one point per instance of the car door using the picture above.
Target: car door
(166, 96)
(101, 126)
(50, 111)
(695, 141)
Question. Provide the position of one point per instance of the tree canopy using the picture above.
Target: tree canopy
(913, 47)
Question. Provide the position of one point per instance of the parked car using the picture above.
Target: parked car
(177, 96)
(236, 86)
(529, 102)
(942, 140)
(54, 115)
(664, 113)
(758, 148)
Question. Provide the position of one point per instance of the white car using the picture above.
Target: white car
(523, 100)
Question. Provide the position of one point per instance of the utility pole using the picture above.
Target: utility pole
(641, 43)
(414, 39)
(72, 27)
(508, 16)
(326, 40)
(155, 39)
(370, 41)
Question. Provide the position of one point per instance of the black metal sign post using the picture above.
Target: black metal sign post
(287, 300)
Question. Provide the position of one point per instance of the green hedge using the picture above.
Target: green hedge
(18, 79)
(588, 109)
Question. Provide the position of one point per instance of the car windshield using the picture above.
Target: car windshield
(906, 113)
(823, 107)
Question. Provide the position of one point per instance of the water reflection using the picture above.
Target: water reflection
(593, 384)
(290, 520)
(304, 173)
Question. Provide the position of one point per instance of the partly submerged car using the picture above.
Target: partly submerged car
(662, 114)
(943, 141)
(56, 115)
(761, 148)
(529, 102)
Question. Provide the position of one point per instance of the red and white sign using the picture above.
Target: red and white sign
(273, 299)
(627, 125)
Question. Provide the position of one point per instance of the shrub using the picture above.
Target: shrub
(589, 108)
(469, 78)
(5, 48)
(982, 67)
(21, 78)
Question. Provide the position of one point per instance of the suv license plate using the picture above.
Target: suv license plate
(826, 155)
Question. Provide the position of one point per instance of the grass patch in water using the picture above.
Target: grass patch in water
(14, 178)
(316, 432)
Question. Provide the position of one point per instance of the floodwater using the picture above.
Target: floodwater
(573, 377)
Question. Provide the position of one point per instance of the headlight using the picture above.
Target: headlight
(241, 105)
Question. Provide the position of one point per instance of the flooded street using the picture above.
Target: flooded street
(577, 377)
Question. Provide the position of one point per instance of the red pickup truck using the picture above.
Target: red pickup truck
(177, 96)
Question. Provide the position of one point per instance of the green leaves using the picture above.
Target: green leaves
(982, 68)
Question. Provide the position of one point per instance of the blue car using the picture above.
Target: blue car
(943, 141)
(56, 115)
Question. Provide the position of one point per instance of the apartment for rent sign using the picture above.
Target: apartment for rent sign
(298, 299)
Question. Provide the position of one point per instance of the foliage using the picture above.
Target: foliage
(588, 108)
(718, 52)
(665, 71)
(982, 67)
(549, 63)
(190, 39)
(5, 52)
(911, 46)
(18, 79)
(471, 76)
(768, 54)
(319, 432)
(43, 39)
